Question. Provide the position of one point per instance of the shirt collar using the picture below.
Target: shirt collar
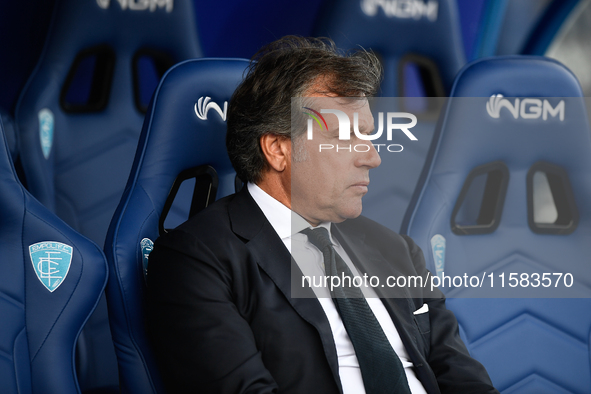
(276, 213)
(285, 222)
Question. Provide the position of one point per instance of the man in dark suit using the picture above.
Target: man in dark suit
(228, 310)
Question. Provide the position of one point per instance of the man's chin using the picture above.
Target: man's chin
(351, 213)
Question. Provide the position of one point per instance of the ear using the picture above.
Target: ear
(277, 151)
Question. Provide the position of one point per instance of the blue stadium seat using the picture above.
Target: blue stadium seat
(79, 118)
(183, 139)
(52, 279)
(80, 114)
(420, 46)
(479, 208)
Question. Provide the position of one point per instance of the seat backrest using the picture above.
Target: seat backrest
(52, 279)
(420, 46)
(184, 131)
(479, 208)
(80, 113)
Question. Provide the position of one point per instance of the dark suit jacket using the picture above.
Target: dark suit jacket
(221, 318)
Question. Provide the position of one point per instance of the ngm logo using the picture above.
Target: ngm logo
(203, 106)
(345, 129)
(404, 9)
(527, 108)
(139, 5)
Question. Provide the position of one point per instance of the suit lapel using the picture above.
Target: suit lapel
(249, 222)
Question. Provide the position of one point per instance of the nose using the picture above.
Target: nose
(370, 159)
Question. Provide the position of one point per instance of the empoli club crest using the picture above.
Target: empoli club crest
(146, 245)
(51, 261)
(438, 248)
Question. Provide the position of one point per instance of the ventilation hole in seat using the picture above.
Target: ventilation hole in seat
(149, 66)
(418, 78)
(543, 203)
(192, 190)
(179, 209)
(550, 200)
(413, 83)
(480, 204)
(88, 83)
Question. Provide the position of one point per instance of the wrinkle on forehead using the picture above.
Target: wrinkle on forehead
(321, 88)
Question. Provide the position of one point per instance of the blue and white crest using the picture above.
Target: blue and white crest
(146, 245)
(438, 248)
(46, 124)
(51, 261)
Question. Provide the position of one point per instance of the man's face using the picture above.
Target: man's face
(327, 185)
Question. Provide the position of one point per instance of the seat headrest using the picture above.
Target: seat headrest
(103, 52)
(516, 76)
(395, 28)
(124, 24)
(80, 114)
(186, 124)
(526, 112)
(501, 105)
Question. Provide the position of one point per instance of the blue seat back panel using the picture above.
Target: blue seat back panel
(84, 173)
(526, 344)
(41, 322)
(174, 138)
(80, 115)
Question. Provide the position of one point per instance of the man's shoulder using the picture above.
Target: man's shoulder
(209, 226)
(214, 217)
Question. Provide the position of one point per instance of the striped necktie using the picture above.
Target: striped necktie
(381, 368)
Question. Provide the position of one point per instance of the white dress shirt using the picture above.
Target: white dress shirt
(311, 262)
